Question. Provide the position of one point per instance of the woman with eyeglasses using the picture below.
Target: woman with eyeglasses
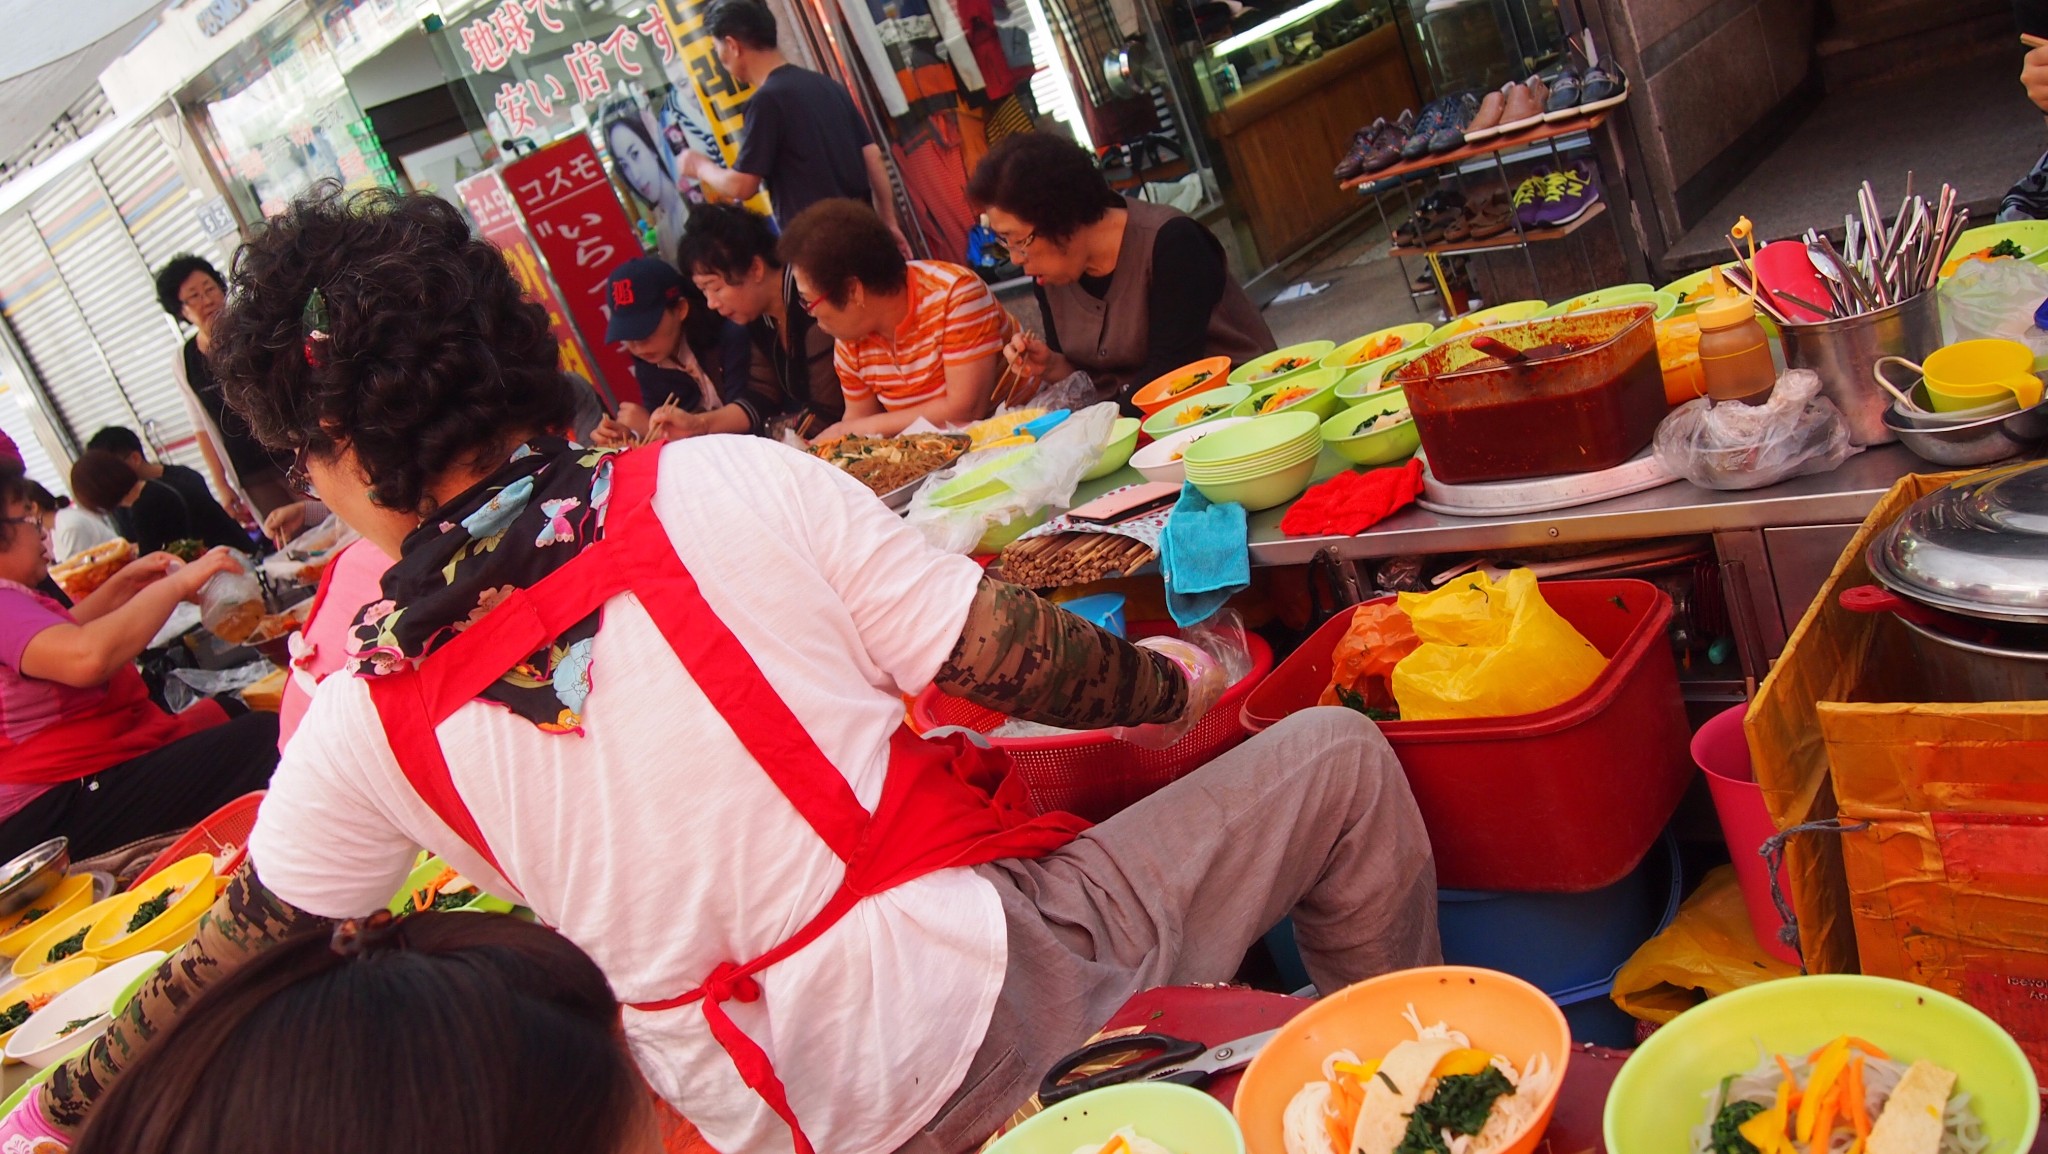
(84, 752)
(918, 338)
(1128, 290)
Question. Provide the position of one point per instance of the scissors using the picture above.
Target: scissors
(1170, 1059)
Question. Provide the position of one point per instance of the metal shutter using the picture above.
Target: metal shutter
(160, 212)
(15, 402)
(53, 334)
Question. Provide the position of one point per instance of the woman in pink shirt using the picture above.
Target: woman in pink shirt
(84, 752)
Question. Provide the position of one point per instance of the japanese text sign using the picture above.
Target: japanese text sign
(576, 221)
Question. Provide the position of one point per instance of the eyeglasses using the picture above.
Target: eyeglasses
(1022, 244)
(297, 479)
(31, 519)
(809, 304)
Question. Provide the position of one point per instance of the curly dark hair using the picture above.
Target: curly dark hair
(837, 242)
(172, 277)
(434, 358)
(1046, 181)
(724, 240)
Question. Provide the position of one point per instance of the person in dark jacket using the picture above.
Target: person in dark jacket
(152, 513)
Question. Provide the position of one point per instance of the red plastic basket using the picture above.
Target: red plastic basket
(224, 828)
(1561, 801)
(1090, 774)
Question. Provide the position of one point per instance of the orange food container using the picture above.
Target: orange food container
(1175, 386)
(1498, 1012)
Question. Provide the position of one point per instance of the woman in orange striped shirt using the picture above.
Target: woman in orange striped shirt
(914, 338)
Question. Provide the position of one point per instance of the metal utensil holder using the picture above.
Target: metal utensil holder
(1845, 351)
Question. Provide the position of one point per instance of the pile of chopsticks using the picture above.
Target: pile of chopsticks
(1072, 559)
(1879, 264)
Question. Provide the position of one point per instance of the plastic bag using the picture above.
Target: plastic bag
(1995, 298)
(1737, 446)
(1362, 665)
(1490, 649)
(186, 686)
(231, 603)
(1708, 949)
(1076, 392)
(1214, 656)
(1031, 478)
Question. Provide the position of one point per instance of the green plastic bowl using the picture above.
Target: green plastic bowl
(2030, 235)
(427, 871)
(1123, 441)
(1252, 439)
(1688, 283)
(1257, 373)
(1412, 336)
(1666, 303)
(979, 483)
(1379, 446)
(1497, 315)
(1322, 401)
(1162, 423)
(1368, 379)
(1261, 492)
(1661, 1092)
(1184, 1121)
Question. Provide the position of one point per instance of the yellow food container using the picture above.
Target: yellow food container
(38, 990)
(36, 956)
(195, 884)
(68, 897)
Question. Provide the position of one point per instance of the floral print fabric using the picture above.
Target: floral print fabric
(532, 516)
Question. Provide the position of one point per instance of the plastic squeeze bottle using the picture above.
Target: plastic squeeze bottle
(1735, 355)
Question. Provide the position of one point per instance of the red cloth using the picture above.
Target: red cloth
(1351, 503)
(943, 803)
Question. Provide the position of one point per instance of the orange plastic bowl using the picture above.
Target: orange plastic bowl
(1499, 1012)
(1160, 393)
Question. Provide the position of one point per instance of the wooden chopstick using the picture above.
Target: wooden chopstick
(2032, 41)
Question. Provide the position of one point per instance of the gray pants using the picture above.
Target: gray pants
(1312, 817)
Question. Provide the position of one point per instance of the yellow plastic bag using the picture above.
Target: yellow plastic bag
(1490, 650)
(1708, 949)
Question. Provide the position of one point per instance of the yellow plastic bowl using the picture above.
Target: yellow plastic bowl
(70, 896)
(1661, 1092)
(1485, 318)
(110, 940)
(36, 957)
(1499, 1012)
(40, 988)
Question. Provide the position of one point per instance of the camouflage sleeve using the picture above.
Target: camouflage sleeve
(245, 920)
(1024, 656)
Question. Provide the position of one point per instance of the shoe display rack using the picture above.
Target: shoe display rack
(1496, 151)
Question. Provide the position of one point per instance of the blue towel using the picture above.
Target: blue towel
(1205, 556)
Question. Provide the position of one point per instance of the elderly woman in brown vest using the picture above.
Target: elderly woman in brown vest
(1128, 290)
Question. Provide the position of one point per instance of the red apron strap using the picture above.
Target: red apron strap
(410, 732)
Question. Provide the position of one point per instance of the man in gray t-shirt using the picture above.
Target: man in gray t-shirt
(804, 139)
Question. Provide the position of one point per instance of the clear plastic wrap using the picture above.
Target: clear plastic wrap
(1995, 298)
(1737, 446)
(1215, 656)
(1031, 478)
(231, 603)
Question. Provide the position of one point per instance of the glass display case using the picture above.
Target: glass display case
(1477, 45)
(1230, 47)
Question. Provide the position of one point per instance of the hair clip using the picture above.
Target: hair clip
(354, 937)
(313, 321)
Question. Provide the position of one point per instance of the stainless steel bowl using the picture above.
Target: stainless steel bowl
(33, 874)
(1978, 442)
(1977, 546)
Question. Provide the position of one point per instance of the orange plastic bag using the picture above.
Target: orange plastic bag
(1362, 671)
(1490, 649)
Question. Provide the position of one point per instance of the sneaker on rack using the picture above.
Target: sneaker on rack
(1524, 106)
(1563, 101)
(1602, 84)
(1486, 122)
(1432, 118)
(1386, 145)
(1450, 136)
(1528, 199)
(1353, 161)
(1567, 195)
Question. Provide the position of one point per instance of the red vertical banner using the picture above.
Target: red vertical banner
(497, 221)
(575, 219)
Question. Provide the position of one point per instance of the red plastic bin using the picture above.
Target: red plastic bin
(1561, 801)
(1090, 774)
(226, 828)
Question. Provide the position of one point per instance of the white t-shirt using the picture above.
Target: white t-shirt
(656, 843)
(77, 530)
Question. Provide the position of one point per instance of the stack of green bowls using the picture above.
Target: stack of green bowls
(1259, 464)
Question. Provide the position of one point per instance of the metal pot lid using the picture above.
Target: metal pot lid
(1978, 547)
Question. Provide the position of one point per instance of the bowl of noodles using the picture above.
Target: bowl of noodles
(1440, 1058)
(1881, 1065)
(1134, 1118)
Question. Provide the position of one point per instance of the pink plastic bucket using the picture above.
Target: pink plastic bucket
(1722, 753)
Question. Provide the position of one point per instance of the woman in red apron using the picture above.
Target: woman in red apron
(655, 696)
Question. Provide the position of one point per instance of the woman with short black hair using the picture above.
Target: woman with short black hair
(247, 477)
(729, 253)
(1128, 290)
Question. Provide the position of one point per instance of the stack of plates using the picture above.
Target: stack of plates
(1262, 463)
